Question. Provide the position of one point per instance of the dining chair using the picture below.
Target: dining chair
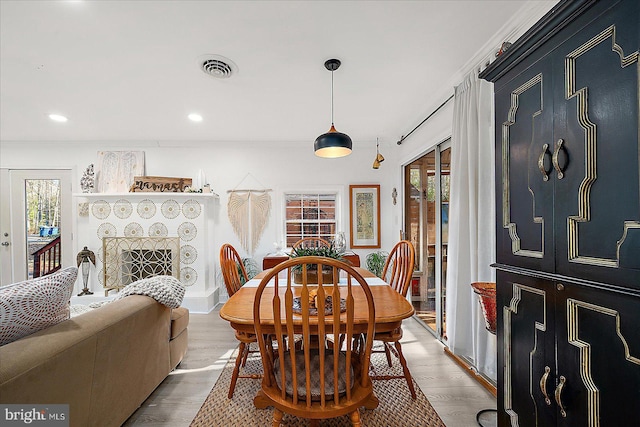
(310, 242)
(397, 272)
(235, 275)
(314, 381)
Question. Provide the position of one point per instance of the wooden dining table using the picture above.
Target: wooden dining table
(391, 307)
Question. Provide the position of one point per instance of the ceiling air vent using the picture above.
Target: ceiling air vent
(217, 66)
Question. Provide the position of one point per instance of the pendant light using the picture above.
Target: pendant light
(333, 143)
(379, 159)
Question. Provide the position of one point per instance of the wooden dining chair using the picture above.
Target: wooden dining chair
(314, 381)
(310, 242)
(235, 275)
(397, 272)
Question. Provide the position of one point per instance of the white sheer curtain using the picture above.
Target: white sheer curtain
(471, 223)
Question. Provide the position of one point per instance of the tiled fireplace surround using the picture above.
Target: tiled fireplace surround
(185, 216)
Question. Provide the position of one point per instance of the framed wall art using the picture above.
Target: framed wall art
(115, 170)
(364, 214)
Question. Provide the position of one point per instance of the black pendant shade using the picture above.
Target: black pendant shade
(333, 143)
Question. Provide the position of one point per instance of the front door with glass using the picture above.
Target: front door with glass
(36, 214)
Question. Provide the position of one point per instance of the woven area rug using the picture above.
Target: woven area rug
(396, 406)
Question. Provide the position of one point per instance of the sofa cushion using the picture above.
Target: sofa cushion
(178, 348)
(179, 321)
(35, 304)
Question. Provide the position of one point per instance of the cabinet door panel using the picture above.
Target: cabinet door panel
(526, 348)
(525, 193)
(599, 355)
(596, 116)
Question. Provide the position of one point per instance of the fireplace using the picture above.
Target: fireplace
(127, 259)
(184, 217)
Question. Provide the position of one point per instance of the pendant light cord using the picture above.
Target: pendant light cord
(331, 98)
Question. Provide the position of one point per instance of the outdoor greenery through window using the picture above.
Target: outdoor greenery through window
(42, 220)
(309, 215)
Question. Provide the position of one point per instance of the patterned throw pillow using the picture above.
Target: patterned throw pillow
(29, 306)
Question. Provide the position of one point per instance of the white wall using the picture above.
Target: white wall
(431, 133)
(277, 166)
(438, 127)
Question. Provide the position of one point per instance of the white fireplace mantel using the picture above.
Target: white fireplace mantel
(141, 195)
(143, 214)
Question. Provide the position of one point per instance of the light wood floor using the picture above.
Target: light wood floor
(452, 392)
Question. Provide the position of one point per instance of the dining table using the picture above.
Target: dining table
(391, 307)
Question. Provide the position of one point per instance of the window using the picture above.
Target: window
(310, 215)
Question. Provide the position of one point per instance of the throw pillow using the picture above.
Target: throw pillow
(35, 304)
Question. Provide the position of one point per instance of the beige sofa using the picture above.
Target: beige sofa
(103, 363)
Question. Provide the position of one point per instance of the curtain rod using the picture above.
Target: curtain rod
(403, 137)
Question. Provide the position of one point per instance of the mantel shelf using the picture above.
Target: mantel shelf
(146, 195)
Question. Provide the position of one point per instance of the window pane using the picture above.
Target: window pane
(42, 198)
(325, 203)
(310, 213)
(293, 213)
(307, 202)
(293, 201)
(328, 213)
(294, 228)
(293, 238)
(310, 230)
(327, 229)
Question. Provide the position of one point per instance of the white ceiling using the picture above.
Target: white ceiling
(129, 71)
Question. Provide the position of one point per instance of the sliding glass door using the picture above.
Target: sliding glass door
(426, 226)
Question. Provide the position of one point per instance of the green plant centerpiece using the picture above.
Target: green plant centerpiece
(322, 251)
(375, 262)
(251, 267)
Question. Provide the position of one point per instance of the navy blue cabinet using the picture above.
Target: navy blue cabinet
(569, 354)
(567, 147)
(568, 217)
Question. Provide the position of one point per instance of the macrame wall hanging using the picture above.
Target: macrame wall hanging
(248, 212)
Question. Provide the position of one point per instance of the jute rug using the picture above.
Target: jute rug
(396, 406)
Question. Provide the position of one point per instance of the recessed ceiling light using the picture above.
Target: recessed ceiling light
(57, 118)
(195, 117)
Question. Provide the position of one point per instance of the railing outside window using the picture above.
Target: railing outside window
(47, 259)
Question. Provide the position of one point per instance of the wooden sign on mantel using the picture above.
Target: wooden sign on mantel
(159, 184)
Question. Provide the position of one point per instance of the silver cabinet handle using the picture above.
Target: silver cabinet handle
(558, 396)
(543, 385)
(554, 158)
(543, 170)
